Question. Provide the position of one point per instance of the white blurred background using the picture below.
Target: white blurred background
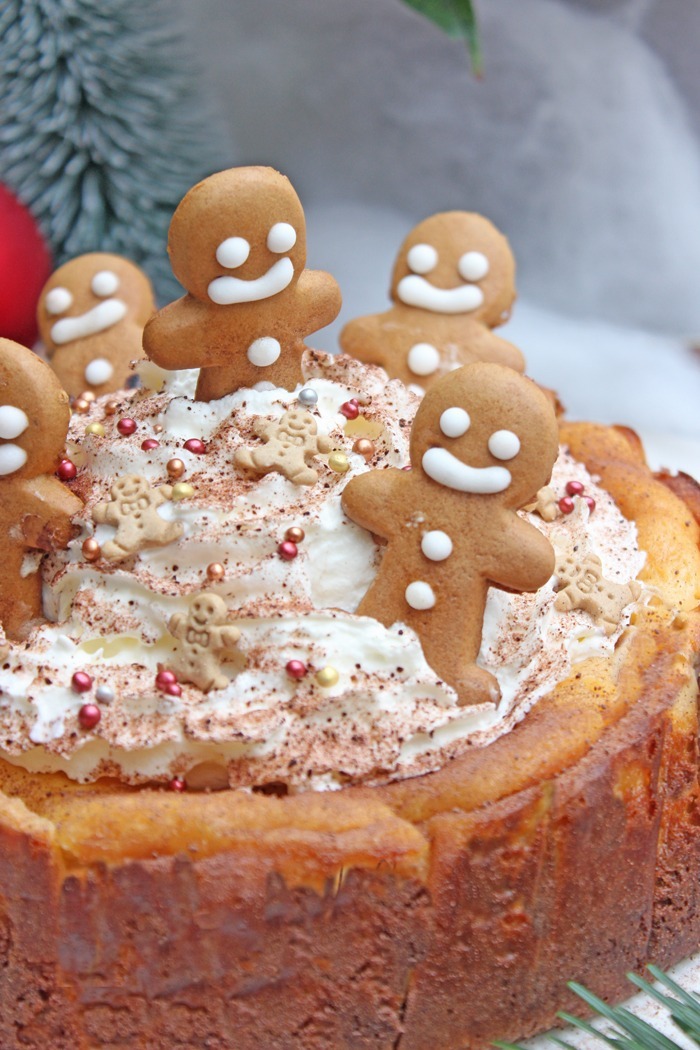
(581, 142)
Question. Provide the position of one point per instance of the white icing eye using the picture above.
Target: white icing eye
(504, 444)
(436, 545)
(105, 283)
(420, 595)
(281, 238)
(13, 422)
(473, 266)
(58, 300)
(233, 252)
(423, 359)
(422, 258)
(12, 457)
(454, 422)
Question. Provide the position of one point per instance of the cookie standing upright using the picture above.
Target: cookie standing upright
(483, 442)
(453, 283)
(237, 243)
(35, 507)
(91, 315)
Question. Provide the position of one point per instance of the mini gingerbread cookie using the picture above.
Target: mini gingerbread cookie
(133, 511)
(483, 442)
(237, 243)
(205, 640)
(544, 504)
(290, 446)
(91, 315)
(35, 507)
(581, 585)
(453, 282)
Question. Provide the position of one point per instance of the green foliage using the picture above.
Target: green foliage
(457, 19)
(627, 1032)
(100, 133)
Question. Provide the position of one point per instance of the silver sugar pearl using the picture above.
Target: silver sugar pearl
(307, 396)
(104, 694)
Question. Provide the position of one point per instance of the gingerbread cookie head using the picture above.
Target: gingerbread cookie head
(91, 315)
(456, 263)
(238, 237)
(207, 610)
(485, 429)
(34, 414)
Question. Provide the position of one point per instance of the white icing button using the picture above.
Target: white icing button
(233, 252)
(420, 595)
(99, 371)
(473, 266)
(264, 351)
(58, 300)
(422, 258)
(281, 237)
(13, 421)
(454, 422)
(436, 545)
(105, 283)
(504, 444)
(423, 359)
(12, 457)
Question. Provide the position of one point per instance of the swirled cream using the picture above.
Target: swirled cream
(387, 716)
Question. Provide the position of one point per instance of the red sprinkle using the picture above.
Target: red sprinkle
(81, 682)
(173, 689)
(195, 445)
(574, 488)
(149, 444)
(165, 677)
(296, 669)
(89, 715)
(350, 409)
(566, 505)
(591, 503)
(287, 550)
(67, 470)
(126, 426)
(177, 784)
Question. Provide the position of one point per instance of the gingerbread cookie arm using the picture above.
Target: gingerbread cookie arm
(48, 508)
(176, 625)
(487, 346)
(371, 500)
(172, 338)
(365, 339)
(520, 558)
(319, 299)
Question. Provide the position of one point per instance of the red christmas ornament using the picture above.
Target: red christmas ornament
(350, 409)
(150, 443)
(81, 682)
(25, 266)
(177, 784)
(287, 550)
(126, 426)
(67, 470)
(195, 445)
(173, 689)
(296, 669)
(574, 488)
(591, 503)
(566, 505)
(89, 715)
(164, 678)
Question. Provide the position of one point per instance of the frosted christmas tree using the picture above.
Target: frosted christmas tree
(101, 132)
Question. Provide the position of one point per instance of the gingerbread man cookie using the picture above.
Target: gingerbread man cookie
(483, 442)
(453, 282)
(35, 507)
(91, 315)
(237, 243)
(582, 586)
(290, 446)
(205, 640)
(133, 511)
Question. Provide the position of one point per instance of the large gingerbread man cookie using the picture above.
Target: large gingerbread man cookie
(91, 315)
(483, 442)
(35, 507)
(453, 282)
(237, 243)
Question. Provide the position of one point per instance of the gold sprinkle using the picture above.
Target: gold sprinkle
(338, 462)
(182, 491)
(294, 534)
(95, 428)
(327, 677)
(175, 468)
(215, 572)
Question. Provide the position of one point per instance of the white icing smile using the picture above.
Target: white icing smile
(224, 291)
(447, 470)
(416, 291)
(99, 319)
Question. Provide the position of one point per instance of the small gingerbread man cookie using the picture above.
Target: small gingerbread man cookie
(582, 586)
(453, 282)
(205, 640)
(35, 507)
(544, 504)
(133, 511)
(91, 315)
(483, 442)
(237, 243)
(290, 446)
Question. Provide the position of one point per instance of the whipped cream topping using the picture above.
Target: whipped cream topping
(387, 716)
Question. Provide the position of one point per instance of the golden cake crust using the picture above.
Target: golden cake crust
(440, 912)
